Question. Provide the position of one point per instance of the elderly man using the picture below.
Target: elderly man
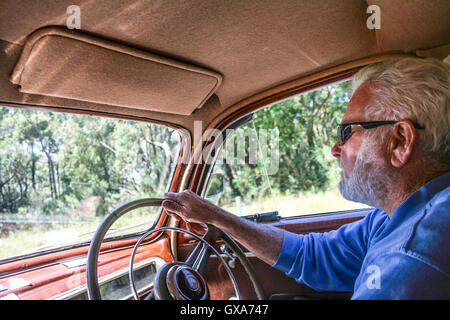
(394, 151)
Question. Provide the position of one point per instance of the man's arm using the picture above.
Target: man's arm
(263, 240)
(324, 261)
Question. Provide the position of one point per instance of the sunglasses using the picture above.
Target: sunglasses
(346, 130)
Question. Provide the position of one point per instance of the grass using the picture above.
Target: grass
(30, 238)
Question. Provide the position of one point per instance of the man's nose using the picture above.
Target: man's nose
(336, 150)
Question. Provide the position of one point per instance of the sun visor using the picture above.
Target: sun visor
(66, 64)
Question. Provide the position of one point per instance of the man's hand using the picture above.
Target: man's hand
(263, 240)
(190, 207)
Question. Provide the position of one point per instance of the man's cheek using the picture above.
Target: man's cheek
(344, 174)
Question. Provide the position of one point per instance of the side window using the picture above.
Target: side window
(281, 159)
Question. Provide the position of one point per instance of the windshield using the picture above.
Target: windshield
(60, 174)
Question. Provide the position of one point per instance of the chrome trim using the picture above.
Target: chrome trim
(327, 216)
(223, 255)
(112, 276)
(225, 265)
(75, 263)
(11, 296)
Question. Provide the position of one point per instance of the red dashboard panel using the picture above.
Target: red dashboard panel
(46, 276)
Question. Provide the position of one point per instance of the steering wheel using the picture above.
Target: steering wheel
(174, 280)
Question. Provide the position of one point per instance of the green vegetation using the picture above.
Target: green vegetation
(51, 162)
(306, 128)
(61, 173)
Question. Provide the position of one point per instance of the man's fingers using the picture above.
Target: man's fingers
(178, 204)
(171, 195)
(172, 206)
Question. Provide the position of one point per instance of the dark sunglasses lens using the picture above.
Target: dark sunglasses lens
(344, 132)
(340, 135)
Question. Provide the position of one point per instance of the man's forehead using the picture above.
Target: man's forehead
(356, 107)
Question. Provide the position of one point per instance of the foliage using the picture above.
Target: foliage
(50, 162)
(306, 133)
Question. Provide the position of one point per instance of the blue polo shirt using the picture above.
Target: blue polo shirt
(405, 257)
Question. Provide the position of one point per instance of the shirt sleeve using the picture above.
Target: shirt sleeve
(328, 261)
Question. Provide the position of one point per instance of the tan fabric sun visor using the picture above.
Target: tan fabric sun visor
(62, 63)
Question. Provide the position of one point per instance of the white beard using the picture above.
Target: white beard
(369, 182)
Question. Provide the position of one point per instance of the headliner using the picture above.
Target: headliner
(255, 45)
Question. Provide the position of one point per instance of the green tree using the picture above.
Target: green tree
(306, 126)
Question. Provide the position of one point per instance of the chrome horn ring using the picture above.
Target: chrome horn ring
(175, 268)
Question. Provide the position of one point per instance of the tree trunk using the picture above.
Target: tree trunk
(229, 174)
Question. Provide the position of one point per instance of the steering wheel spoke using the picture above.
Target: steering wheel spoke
(198, 259)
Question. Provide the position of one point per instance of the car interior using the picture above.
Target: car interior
(194, 74)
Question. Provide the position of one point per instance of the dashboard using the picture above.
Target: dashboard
(116, 286)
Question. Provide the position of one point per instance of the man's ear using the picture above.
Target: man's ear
(401, 143)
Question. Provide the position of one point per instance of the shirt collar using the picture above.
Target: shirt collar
(418, 199)
(438, 184)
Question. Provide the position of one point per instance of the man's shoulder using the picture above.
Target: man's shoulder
(441, 200)
(436, 215)
(430, 237)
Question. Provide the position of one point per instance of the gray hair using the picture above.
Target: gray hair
(415, 89)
